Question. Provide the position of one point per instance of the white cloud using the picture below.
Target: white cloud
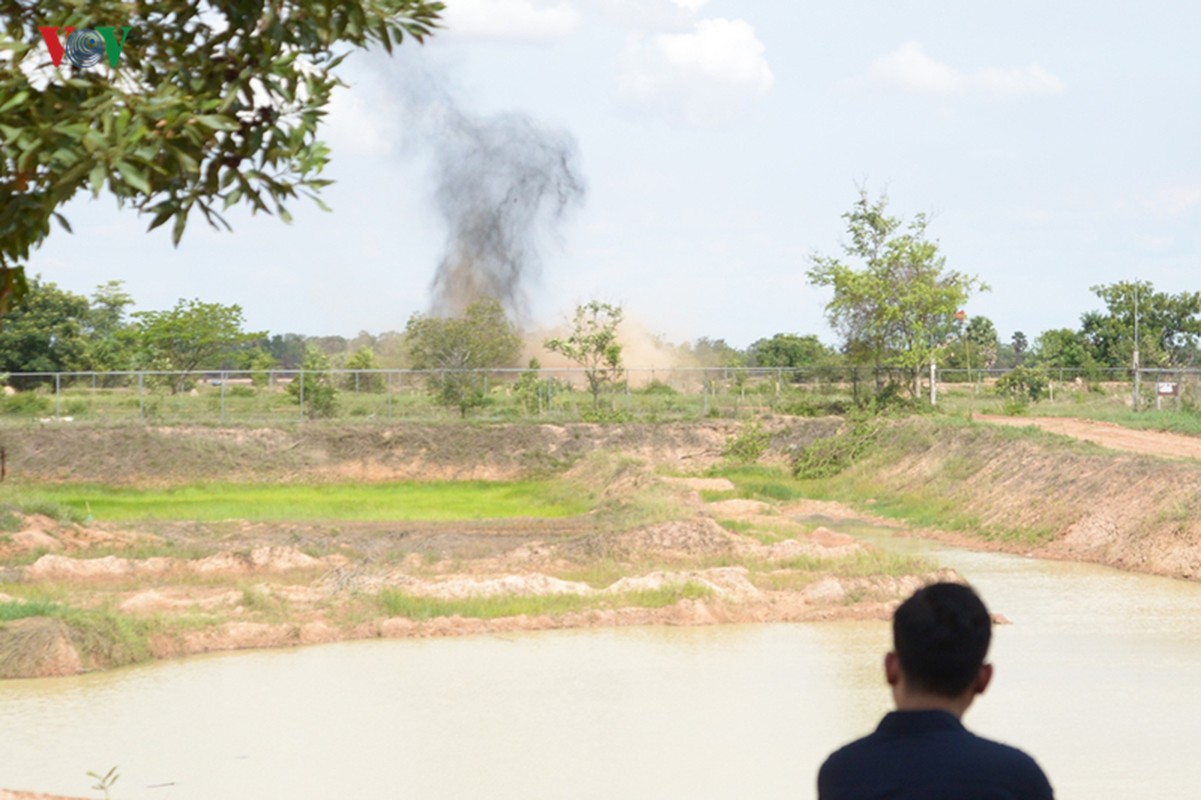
(708, 76)
(909, 69)
(691, 6)
(1173, 200)
(511, 20)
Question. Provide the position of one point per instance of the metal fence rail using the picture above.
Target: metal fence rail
(253, 395)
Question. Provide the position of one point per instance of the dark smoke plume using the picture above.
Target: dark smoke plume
(503, 184)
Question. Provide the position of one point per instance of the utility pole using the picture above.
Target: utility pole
(1135, 397)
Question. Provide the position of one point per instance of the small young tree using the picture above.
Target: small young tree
(313, 388)
(364, 359)
(191, 336)
(593, 345)
(456, 349)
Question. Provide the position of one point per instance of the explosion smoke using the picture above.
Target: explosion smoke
(503, 184)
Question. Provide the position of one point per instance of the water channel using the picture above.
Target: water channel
(1098, 677)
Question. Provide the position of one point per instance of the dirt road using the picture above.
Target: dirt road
(1107, 434)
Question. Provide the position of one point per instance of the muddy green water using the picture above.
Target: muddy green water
(1099, 678)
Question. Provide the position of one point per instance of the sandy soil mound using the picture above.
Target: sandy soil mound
(681, 538)
(728, 583)
(38, 647)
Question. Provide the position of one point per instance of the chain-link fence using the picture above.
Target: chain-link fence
(649, 393)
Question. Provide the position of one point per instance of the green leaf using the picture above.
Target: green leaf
(181, 222)
(165, 210)
(14, 101)
(217, 123)
(63, 221)
(133, 177)
(96, 178)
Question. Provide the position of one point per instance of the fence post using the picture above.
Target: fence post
(389, 395)
(301, 376)
(58, 394)
(224, 380)
(141, 397)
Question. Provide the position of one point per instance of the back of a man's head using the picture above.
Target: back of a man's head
(941, 637)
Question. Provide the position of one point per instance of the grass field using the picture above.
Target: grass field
(207, 502)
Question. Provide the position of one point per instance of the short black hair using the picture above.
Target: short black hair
(941, 636)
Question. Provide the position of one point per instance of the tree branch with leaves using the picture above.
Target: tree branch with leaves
(210, 105)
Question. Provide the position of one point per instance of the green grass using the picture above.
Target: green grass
(396, 603)
(208, 502)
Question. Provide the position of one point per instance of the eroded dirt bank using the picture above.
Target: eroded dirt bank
(368, 451)
(1028, 492)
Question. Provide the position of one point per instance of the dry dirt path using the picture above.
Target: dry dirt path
(1107, 434)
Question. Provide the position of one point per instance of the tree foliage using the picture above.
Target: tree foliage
(313, 389)
(192, 335)
(791, 350)
(45, 332)
(593, 345)
(209, 105)
(898, 307)
(1169, 325)
(482, 338)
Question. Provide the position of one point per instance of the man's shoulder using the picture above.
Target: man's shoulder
(938, 758)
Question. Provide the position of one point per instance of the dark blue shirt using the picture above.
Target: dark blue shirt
(929, 755)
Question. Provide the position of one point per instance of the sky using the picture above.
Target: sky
(1055, 146)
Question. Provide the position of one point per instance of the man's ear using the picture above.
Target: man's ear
(892, 668)
(983, 678)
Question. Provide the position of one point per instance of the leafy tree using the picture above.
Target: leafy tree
(44, 333)
(112, 341)
(593, 345)
(1169, 325)
(706, 352)
(191, 336)
(1020, 346)
(204, 105)
(456, 347)
(287, 349)
(314, 388)
(790, 350)
(898, 308)
(364, 359)
(1064, 348)
(976, 346)
(260, 362)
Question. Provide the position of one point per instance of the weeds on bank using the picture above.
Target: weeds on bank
(396, 603)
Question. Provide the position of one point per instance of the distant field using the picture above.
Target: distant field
(440, 500)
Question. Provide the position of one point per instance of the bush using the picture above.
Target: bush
(26, 404)
(1021, 386)
(320, 396)
(749, 445)
(657, 387)
(833, 454)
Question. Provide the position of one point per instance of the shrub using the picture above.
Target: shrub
(833, 454)
(749, 445)
(26, 404)
(1021, 386)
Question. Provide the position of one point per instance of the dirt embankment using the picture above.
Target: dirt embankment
(369, 451)
(1030, 492)
(650, 552)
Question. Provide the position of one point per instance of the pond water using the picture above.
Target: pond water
(1098, 678)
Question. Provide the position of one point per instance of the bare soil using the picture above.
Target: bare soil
(1108, 434)
(232, 585)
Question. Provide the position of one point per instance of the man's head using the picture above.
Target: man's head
(940, 638)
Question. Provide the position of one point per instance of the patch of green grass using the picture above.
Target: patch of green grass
(206, 502)
(13, 610)
(396, 603)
